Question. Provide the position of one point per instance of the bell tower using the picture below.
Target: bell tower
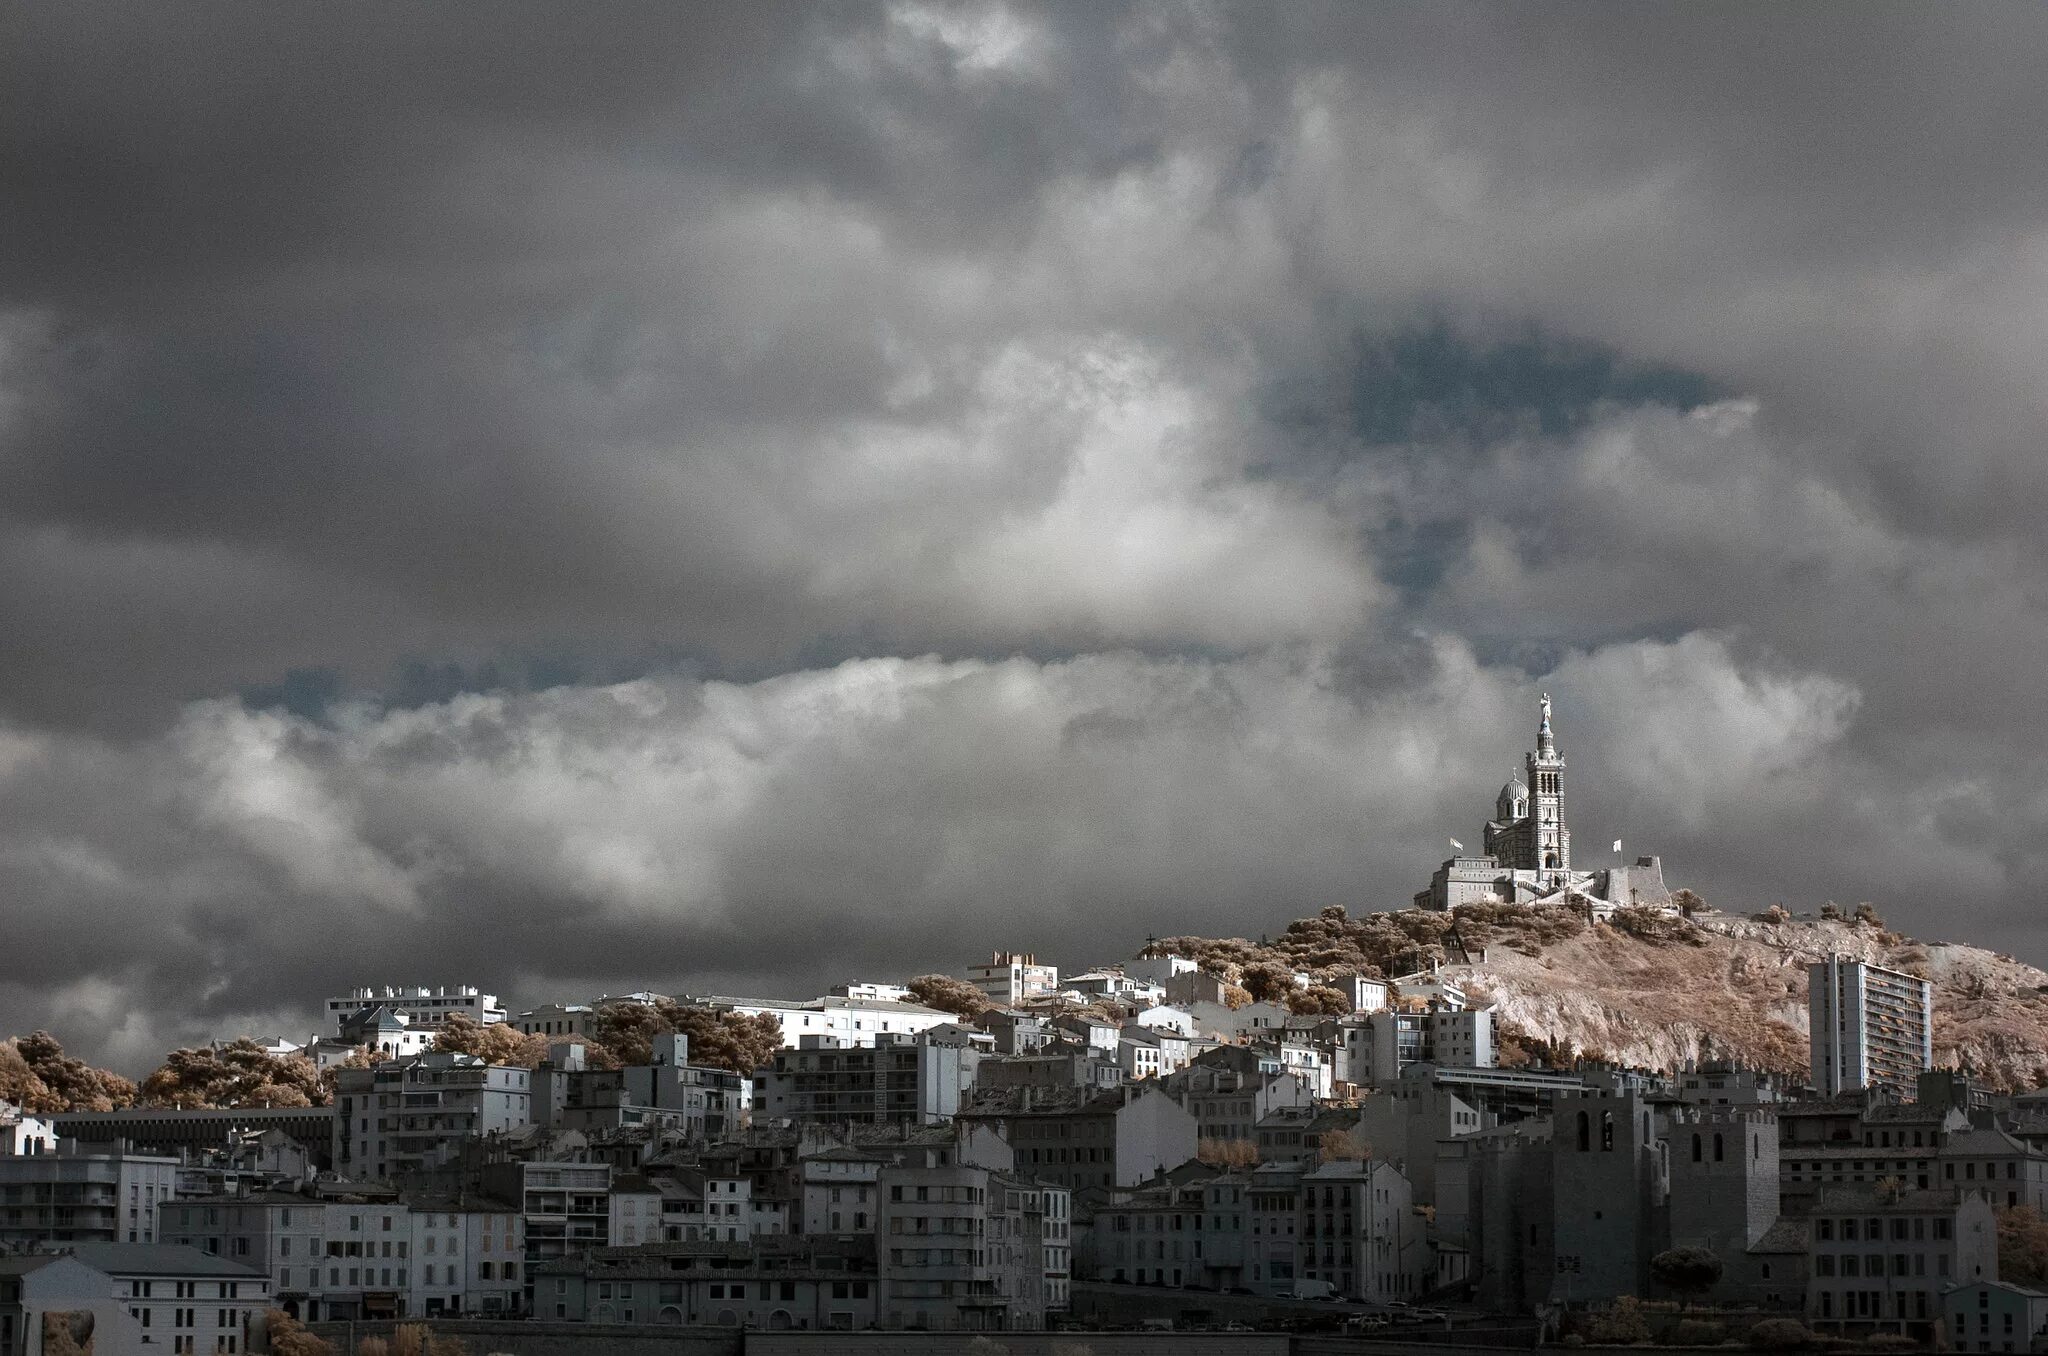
(1552, 840)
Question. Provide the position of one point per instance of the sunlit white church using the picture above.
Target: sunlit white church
(1528, 851)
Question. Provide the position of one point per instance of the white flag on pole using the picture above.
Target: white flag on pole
(1617, 845)
(1458, 845)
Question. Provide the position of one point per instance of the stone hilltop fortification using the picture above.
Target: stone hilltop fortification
(1652, 988)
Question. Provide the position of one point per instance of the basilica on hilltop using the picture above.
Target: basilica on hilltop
(1527, 857)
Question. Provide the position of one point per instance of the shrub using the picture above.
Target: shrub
(1621, 1324)
(1779, 1334)
(1693, 1332)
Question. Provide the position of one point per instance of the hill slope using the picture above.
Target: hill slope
(1656, 991)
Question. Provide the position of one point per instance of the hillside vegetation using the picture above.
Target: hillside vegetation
(1656, 990)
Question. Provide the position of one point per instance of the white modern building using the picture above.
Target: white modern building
(1012, 977)
(426, 1006)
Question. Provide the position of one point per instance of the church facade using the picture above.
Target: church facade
(1527, 857)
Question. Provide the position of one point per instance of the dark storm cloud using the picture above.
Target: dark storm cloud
(1298, 388)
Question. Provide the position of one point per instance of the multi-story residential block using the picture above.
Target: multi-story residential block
(1407, 1123)
(410, 1116)
(774, 1286)
(563, 1207)
(670, 1093)
(1917, 1145)
(70, 1197)
(1145, 1051)
(839, 1192)
(1882, 1256)
(1273, 1210)
(1870, 1027)
(427, 1007)
(1117, 1137)
(332, 1257)
(967, 1247)
(1012, 977)
(717, 1206)
(1229, 1094)
(636, 1211)
(1719, 1083)
(1014, 1032)
(909, 1080)
(1388, 1041)
(1359, 1233)
(1994, 1316)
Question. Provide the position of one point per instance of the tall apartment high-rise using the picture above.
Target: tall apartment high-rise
(1872, 1027)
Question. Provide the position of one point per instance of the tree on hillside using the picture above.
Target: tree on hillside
(1227, 1153)
(493, 1042)
(288, 1336)
(1687, 1272)
(1343, 1146)
(623, 1033)
(1317, 1000)
(1236, 996)
(240, 1073)
(2022, 1246)
(948, 994)
(1268, 981)
(37, 1075)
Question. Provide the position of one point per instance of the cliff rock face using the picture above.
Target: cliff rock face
(1656, 991)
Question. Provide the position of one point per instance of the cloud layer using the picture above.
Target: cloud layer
(707, 487)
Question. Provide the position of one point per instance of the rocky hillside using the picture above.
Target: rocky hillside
(1655, 990)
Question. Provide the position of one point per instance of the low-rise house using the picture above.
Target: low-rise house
(1994, 1316)
(181, 1298)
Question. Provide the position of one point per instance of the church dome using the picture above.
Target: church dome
(1514, 790)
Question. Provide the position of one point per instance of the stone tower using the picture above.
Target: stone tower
(1551, 840)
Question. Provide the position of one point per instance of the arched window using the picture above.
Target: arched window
(1717, 1147)
(1606, 1130)
(1695, 1148)
(1585, 1132)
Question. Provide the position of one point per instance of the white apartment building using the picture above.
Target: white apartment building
(1011, 977)
(853, 1021)
(557, 1020)
(412, 1115)
(1870, 1026)
(426, 1006)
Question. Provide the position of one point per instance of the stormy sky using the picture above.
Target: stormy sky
(740, 497)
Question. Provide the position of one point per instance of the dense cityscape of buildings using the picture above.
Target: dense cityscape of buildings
(1139, 1124)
